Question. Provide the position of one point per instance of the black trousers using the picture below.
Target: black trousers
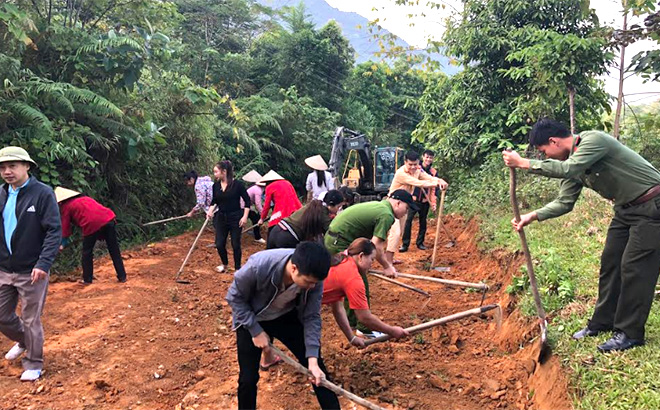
(224, 225)
(109, 234)
(254, 218)
(279, 238)
(291, 333)
(629, 270)
(407, 230)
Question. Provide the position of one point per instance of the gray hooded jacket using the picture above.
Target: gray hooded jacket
(256, 285)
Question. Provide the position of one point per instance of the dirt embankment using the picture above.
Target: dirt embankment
(154, 344)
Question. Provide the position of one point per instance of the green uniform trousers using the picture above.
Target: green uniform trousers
(352, 319)
(629, 269)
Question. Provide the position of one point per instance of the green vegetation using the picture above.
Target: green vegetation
(118, 98)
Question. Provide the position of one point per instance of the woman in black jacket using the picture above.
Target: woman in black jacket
(227, 213)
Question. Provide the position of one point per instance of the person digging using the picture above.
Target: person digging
(630, 261)
(344, 281)
(368, 220)
(408, 177)
(97, 222)
(277, 294)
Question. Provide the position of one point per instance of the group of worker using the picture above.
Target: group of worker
(321, 253)
(328, 240)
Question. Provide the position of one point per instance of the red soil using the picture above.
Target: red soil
(154, 344)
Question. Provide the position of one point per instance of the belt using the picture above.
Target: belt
(645, 197)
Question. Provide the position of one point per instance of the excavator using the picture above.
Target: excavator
(366, 171)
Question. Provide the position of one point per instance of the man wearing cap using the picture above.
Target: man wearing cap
(320, 180)
(281, 195)
(408, 177)
(255, 192)
(29, 240)
(97, 222)
(203, 191)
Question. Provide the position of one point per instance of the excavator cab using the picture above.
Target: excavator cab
(367, 171)
(386, 160)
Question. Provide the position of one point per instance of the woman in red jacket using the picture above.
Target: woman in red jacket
(281, 195)
(97, 222)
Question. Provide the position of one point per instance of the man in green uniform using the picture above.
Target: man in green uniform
(368, 220)
(630, 262)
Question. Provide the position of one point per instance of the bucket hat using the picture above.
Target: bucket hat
(8, 154)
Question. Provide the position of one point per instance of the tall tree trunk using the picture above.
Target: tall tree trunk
(50, 10)
(619, 100)
(571, 107)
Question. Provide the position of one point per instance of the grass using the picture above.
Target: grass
(566, 253)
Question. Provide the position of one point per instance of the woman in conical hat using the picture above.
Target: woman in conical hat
(256, 193)
(320, 180)
(281, 196)
(97, 222)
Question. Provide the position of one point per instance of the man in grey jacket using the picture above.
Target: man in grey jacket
(30, 236)
(277, 294)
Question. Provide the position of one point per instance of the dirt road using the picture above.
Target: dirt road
(154, 344)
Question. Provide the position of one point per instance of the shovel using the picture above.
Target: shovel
(437, 322)
(249, 228)
(325, 382)
(545, 349)
(438, 225)
(160, 221)
(186, 282)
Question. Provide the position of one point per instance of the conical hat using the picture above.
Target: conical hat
(252, 176)
(316, 162)
(270, 177)
(62, 194)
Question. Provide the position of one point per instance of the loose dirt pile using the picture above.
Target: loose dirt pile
(154, 344)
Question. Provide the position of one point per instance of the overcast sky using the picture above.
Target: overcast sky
(417, 30)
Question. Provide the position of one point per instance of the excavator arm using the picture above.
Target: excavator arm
(345, 141)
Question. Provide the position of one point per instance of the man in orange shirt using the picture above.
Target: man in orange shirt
(408, 177)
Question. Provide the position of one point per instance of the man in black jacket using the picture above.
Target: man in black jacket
(30, 235)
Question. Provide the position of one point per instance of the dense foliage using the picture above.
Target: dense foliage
(118, 99)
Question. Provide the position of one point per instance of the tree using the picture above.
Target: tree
(522, 60)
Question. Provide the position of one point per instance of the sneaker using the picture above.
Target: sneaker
(30, 375)
(220, 268)
(15, 352)
(261, 241)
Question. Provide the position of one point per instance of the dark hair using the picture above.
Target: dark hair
(349, 195)
(358, 246)
(312, 220)
(320, 178)
(546, 128)
(229, 167)
(190, 175)
(429, 153)
(333, 197)
(412, 156)
(312, 259)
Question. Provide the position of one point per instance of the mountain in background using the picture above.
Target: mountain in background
(321, 12)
